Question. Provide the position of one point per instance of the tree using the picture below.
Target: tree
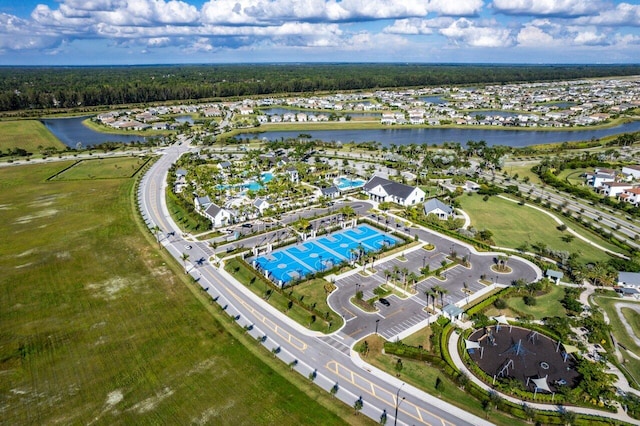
(399, 367)
(156, 231)
(357, 406)
(185, 257)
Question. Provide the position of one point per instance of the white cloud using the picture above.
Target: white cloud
(533, 36)
(548, 7)
(622, 14)
(466, 32)
(417, 26)
(455, 7)
(590, 38)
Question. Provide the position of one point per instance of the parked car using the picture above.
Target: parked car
(384, 301)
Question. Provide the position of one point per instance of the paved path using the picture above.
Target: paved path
(457, 360)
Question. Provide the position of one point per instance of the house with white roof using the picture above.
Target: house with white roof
(380, 189)
(633, 171)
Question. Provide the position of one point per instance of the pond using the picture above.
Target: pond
(71, 132)
(438, 135)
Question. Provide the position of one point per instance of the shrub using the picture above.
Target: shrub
(500, 303)
(529, 300)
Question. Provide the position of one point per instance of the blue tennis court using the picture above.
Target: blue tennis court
(293, 262)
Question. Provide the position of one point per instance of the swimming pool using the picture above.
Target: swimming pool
(344, 183)
(298, 261)
(252, 185)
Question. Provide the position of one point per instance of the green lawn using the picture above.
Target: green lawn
(631, 364)
(313, 292)
(523, 171)
(109, 168)
(547, 305)
(98, 327)
(573, 176)
(30, 135)
(513, 224)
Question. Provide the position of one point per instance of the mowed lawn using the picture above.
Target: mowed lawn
(608, 304)
(512, 225)
(97, 328)
(30, 135)
(103, 168)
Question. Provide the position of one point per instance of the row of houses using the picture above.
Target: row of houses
(623, 185)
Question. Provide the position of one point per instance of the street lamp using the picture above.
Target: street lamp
(395, 417)
(377, 322)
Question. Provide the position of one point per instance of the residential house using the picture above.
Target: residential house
(629, 279)
(632, 171)
(330, 192)
(293, 174)
(631, 196)
(261, 205)
(437, 207)
(613, 189)
(202, 203)
(380, 189)
(217, 215)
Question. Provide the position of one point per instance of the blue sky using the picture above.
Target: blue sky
(103, 32)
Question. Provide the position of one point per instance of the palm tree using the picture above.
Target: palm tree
(185, 257)
(404, 271)
(431, 295)
(443, 291)
(437, 290)
(156, 231)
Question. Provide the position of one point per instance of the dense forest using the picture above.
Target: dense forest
(36, 88)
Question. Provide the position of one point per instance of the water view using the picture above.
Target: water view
(72, 132)
(435, 135)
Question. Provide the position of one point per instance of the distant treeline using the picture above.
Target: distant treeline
(72, 87)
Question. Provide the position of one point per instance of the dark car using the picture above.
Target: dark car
(384, 301)
(247, 225)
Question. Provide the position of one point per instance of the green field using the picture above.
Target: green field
(99, 327)
(631, 363)
(30, 135)
(98, 168)
(512, 225)
(547, 305)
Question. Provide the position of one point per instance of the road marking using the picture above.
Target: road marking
(294, 341)
(416, 412)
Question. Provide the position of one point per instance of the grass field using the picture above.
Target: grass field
(631, 363)
(547, 305)
(312, 290)
(109, 168)
(512, 225)
(97, 326)
(424, 377)
(30, 135)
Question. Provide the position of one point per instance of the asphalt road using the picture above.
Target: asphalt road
(327, 358)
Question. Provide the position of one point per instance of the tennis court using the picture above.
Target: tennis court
(293, 262)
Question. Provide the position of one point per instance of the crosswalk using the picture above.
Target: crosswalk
(336, 343)
(419, 317)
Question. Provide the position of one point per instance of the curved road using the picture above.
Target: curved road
(327, 359)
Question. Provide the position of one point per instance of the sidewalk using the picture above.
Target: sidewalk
(457, 360)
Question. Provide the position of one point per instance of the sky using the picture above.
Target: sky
(130, 32)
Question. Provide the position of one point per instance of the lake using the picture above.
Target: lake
(436, 135)
(71, 131)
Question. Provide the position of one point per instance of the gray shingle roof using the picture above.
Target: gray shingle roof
(434, 204)
(397, 189)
